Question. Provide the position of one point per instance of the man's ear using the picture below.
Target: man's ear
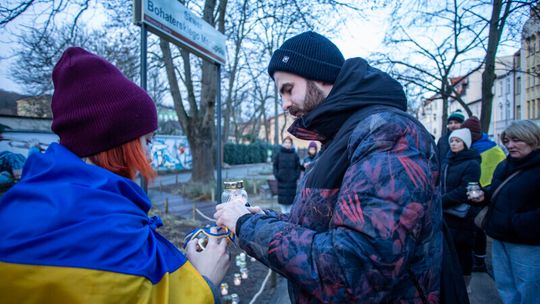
(325, 87)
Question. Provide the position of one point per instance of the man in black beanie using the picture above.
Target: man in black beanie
(365, 224)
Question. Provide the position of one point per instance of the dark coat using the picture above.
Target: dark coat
(443, 149)
(462, 168)
(368, 212)
(287, 170)
(514, 214)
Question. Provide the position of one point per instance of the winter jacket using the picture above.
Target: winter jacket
(514, 213)
(307, 160)
(287, 170)
(366, 223)
(462, 168)
(491, 155)
(77, 233)
(443, 149)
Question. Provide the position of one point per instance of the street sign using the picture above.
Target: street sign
(173, 21)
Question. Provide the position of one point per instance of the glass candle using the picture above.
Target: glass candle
(237, 279)
(224, 289)
(235, 298)
(244, 273)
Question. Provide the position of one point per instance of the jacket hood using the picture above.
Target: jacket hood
(483, 144)
(357, 85)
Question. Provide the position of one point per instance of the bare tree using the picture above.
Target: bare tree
(191, 81)
(40, 51)
(431, 63)
(501, 12)
(457, 40)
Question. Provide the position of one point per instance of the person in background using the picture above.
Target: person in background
(366, 224)
(286, 169)
(76, 228)
(491, 155)
(454, 121)
(463, 167)
(11, 165)
(513, 215)
(311, 154)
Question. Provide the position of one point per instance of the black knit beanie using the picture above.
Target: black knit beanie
(309, 55)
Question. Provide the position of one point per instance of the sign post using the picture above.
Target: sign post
(174, 22)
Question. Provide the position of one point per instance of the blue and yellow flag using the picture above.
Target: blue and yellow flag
(72, 232)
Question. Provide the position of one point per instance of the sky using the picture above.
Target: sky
(8, 45)
(358, 37)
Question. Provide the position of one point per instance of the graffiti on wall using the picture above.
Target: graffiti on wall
(171, 153)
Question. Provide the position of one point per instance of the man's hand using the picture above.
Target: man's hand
(227, 214)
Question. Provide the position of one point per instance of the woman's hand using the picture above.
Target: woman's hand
(211, 262)
(477, 199)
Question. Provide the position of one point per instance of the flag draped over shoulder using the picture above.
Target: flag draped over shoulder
(73, 232)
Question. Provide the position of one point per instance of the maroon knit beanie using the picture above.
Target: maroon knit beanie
(95, 107)
(473, 124)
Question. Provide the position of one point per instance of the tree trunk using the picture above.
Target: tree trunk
(202, 156)
(444, 117)
(496, 26)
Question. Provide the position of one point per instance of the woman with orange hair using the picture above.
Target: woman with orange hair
(76, 228)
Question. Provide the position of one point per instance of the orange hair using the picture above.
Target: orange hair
(126, 160)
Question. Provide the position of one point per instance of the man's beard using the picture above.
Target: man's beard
(314, 97)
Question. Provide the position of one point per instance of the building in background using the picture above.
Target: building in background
(529, 69)
(470, 90)
(35, 106)
(284, 122)
(502, 110)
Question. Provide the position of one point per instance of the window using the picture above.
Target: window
(500, 88)
(507, 111)
(507, 86)
(518, 86)
(518, 112)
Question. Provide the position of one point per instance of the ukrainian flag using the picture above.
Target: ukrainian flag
(72, 232)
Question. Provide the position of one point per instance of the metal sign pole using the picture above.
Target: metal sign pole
(144, 182)
(218, 135)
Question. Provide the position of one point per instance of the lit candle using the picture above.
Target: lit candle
(237, 279)
(235, 298)
(253, 259)
(244, 272)
(224, 289)
(243, 256)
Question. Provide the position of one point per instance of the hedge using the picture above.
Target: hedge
(237, 154)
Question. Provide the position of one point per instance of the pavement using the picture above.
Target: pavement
(482, 285)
